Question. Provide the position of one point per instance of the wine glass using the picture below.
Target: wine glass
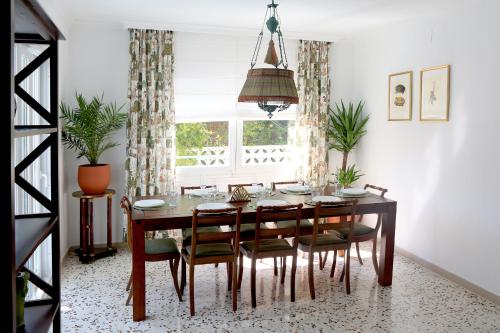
(213, 192)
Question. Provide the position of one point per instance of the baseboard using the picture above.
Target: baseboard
(450, 276)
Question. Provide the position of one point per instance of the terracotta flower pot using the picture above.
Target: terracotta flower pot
(93, 178)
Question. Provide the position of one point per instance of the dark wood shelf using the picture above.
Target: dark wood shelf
(31, 230)
(22, 131)
(38, 318)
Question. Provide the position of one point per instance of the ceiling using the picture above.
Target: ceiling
(322, 19)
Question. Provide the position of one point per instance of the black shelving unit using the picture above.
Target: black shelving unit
(24, 21)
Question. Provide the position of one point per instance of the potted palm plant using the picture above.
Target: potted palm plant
(346, 128)
(87, 130)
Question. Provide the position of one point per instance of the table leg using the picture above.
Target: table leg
(138, 272)
(109, 223)
(91, 227)
(84, 226)
(387, 246)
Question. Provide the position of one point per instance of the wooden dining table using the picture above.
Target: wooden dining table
(179, 217)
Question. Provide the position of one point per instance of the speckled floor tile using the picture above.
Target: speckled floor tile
(93, 300)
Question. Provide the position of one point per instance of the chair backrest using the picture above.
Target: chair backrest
(230, 186)
(273, 214)
(189, 188)
(382, 193)
(289, 182)
(127, 209)
(220, 217)
(345, 208)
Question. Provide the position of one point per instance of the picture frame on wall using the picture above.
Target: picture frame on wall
(400, 96)
(435, 93)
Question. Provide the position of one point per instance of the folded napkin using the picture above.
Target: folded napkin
(239, 195)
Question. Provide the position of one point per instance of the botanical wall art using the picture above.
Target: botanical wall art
(435, 93)
(400, 96)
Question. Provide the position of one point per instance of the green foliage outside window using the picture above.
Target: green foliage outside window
(192, 137)
(265, 132)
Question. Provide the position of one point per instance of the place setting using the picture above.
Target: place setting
(352, 192)
(157, 204)
(296, 189)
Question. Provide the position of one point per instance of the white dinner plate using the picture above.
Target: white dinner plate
(325, 198)
(200, 192)
(297, 188)
(355, 191)
(149, 203)
(269, 203)
(213, 206)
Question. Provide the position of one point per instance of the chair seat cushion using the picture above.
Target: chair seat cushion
(322, 239)
(291, 223)
(186, 233)
(359, 229)
(160, 246)
(248, 229)
(267, 245)
(212, 250)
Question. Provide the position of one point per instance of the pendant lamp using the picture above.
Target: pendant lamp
(272, 88)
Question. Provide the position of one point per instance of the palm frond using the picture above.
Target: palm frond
(88, 127)
(346, 126)
(348, 176)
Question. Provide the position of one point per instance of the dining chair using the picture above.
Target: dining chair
(267, 245)
(275, 185)
(187, 232)
(248, 229)
(154, 250)
(305, 224)
(214, 247)
(190, 188)
(364, 233)
(320, 241)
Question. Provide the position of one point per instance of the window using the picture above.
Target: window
(267, 141)
(260, 142)
(202, 144)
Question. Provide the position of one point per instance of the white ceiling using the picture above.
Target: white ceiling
(320, 19)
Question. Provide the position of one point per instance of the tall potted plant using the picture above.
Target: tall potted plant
(346, 127)
(87, 130)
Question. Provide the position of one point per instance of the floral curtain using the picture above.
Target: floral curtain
(150, 126)
(313, 87)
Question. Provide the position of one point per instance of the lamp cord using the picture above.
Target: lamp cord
(256, 50)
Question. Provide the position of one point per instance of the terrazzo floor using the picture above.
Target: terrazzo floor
(93, 300)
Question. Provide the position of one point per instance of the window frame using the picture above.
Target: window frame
(235, 140)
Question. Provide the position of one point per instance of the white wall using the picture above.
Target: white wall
(97, 62)
(444, 175)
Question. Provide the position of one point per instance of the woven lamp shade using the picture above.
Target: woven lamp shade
(269, 85)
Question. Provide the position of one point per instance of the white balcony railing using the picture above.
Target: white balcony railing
(265, 155)
(208, 156)
(250, 155)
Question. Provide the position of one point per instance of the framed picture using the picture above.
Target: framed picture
(435, 93)
(400, 96)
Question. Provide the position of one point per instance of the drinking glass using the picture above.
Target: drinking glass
(172, 198)
(213, 192)
(267, 192)
(315, 191)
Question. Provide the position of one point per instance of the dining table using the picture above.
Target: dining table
(179, 216)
